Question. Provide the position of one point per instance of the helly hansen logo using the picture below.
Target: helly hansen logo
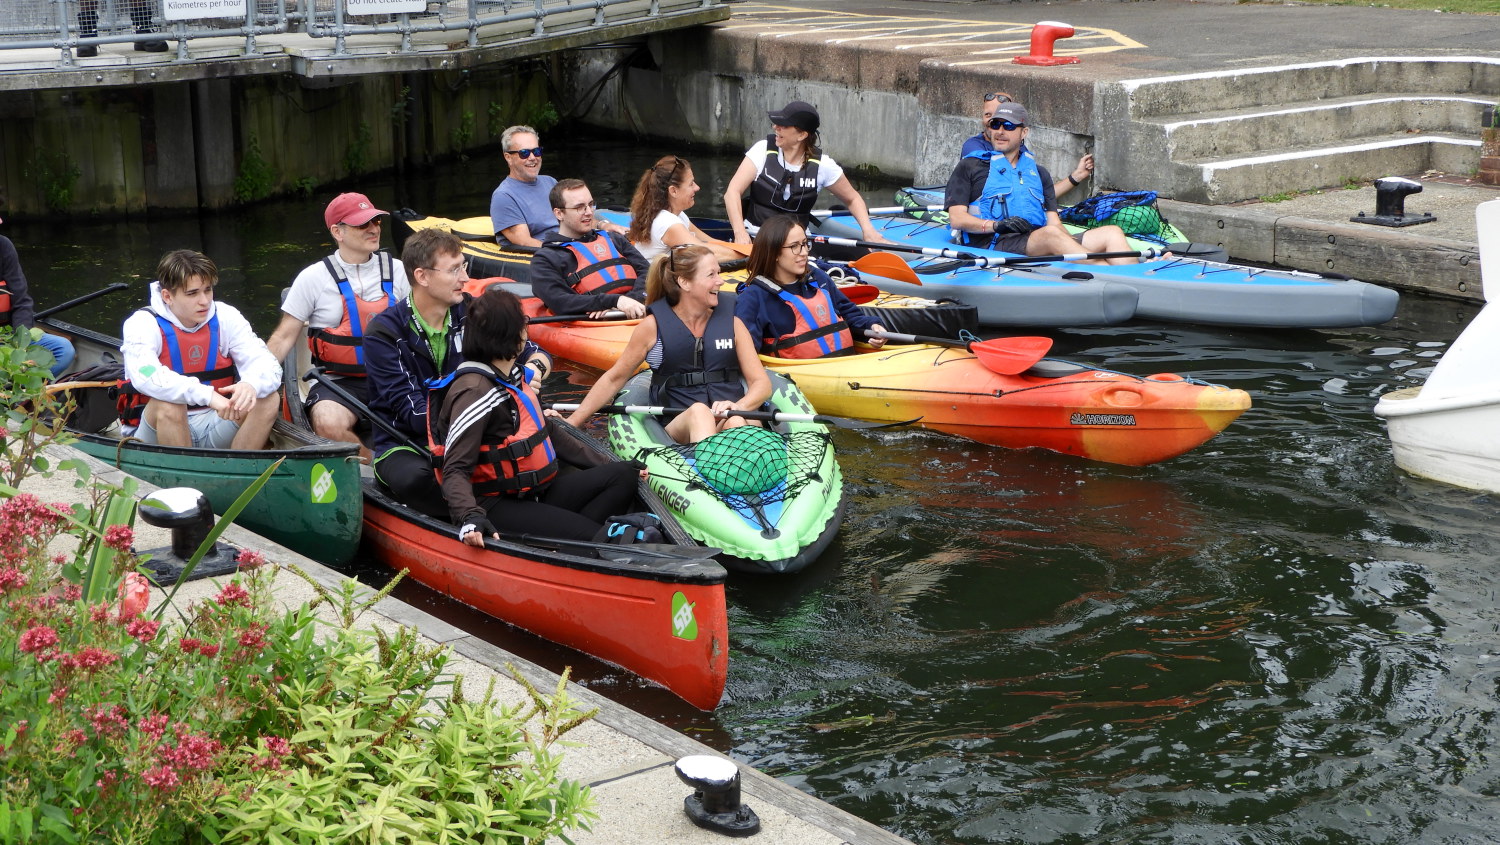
(808, 183)
(724, 343)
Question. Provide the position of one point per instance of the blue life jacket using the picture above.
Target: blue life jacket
(1009, 191)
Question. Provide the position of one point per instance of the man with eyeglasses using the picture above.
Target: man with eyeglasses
(985, 141)
(408, 345)
(1002, 199)
(582, 270)
(335, 299)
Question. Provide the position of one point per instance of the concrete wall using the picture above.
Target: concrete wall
(214, 142)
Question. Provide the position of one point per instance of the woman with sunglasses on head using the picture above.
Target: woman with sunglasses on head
(499, 466)
(658, 211)
(792, 307)
(785, 173)
(700, 354)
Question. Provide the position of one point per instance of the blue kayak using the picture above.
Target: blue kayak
(1177, 289)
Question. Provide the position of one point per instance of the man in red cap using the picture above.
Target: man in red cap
(334, 300)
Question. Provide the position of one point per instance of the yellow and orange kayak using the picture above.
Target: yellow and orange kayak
(1097, 414)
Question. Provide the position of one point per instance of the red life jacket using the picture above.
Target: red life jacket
(818, 330)
(339, 350)
(513, 466)
(187, 353)
(4, 303)
(601, 267)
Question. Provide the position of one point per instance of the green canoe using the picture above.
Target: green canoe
(773, 506)
(312, 504)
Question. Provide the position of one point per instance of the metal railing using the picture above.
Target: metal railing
(67, 25)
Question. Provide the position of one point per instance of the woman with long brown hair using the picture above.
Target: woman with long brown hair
(658, 211)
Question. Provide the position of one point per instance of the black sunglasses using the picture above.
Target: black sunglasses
(534, 151)
(998, 95)
(672, 255)
(997, 123)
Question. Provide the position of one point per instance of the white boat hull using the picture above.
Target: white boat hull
(1449, 440)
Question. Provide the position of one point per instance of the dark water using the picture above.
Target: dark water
(1275, 638)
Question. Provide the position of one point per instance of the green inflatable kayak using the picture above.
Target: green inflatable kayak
(771, 498)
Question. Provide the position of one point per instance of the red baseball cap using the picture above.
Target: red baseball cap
(354, 209)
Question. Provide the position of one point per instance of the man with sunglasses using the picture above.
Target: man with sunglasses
(336, 298)
(519, 207)
(1002, 199)
(985, 141)
(582, 270)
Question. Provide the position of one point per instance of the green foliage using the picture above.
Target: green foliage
(462, 135)
(542, 116)
(401, 109)
(256, 178)
(304, 186)
(357, 154)
(496, 124)
(56, 175)
(231, 719)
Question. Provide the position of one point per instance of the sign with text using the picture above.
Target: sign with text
(187, 10)
(383, 7)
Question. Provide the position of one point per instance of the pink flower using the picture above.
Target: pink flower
(12, 578)
(58, 696)
(153, 726)
(209, 649)
(253, 638)
(163, 778)
(250, 558)
(38, 638)
(107, 780)
(143, 629)
(189, 644)
(135, 594)
(70, 741)
(195, 752)
(119, 537)
(108, 721)
(72, 592)
(90, 658)
(277, 745)
(233, 595)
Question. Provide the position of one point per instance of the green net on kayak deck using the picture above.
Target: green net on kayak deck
(749, 465)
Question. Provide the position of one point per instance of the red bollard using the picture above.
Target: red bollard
(1042, 36)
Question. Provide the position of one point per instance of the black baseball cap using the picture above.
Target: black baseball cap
(797, 114)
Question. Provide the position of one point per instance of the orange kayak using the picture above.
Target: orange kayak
(1097, 414)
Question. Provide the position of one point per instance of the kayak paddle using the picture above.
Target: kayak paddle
(769, 416)
(1004, 355)
(983, 260)
(887, 265)
(578, 318)
(79, 300)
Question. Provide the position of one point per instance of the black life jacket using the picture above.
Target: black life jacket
(780, 191)
(696, 369)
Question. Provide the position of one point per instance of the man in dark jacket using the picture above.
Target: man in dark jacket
(18, 312)
(583, 270)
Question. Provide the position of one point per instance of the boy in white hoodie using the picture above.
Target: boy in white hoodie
(202, 376)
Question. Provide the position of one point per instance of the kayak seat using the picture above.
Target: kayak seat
(1054, 368)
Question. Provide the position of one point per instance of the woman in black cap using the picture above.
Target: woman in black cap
(786, 172)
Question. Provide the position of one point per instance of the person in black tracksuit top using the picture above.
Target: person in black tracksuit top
(499, 463)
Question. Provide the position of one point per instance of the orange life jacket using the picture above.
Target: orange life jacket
(514, 466)
(601, 267)
(818, 331)
(339, 350)
(187, 353)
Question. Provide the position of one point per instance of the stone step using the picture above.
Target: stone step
(1286, 169)
(1255, 88)
(1240, 132)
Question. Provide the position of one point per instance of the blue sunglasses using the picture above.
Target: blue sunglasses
(997, 123)
(534, 151)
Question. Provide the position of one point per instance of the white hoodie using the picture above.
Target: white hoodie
(142, 346)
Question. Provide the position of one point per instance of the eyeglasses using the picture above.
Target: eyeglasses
(457, 272)
(534, 151)
(799, 246)
(373, 223)
(581, 207)
(998, 95)
(997, 123)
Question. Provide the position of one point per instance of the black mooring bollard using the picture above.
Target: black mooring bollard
(187, 514)
(1390, 204)
(715, 802)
